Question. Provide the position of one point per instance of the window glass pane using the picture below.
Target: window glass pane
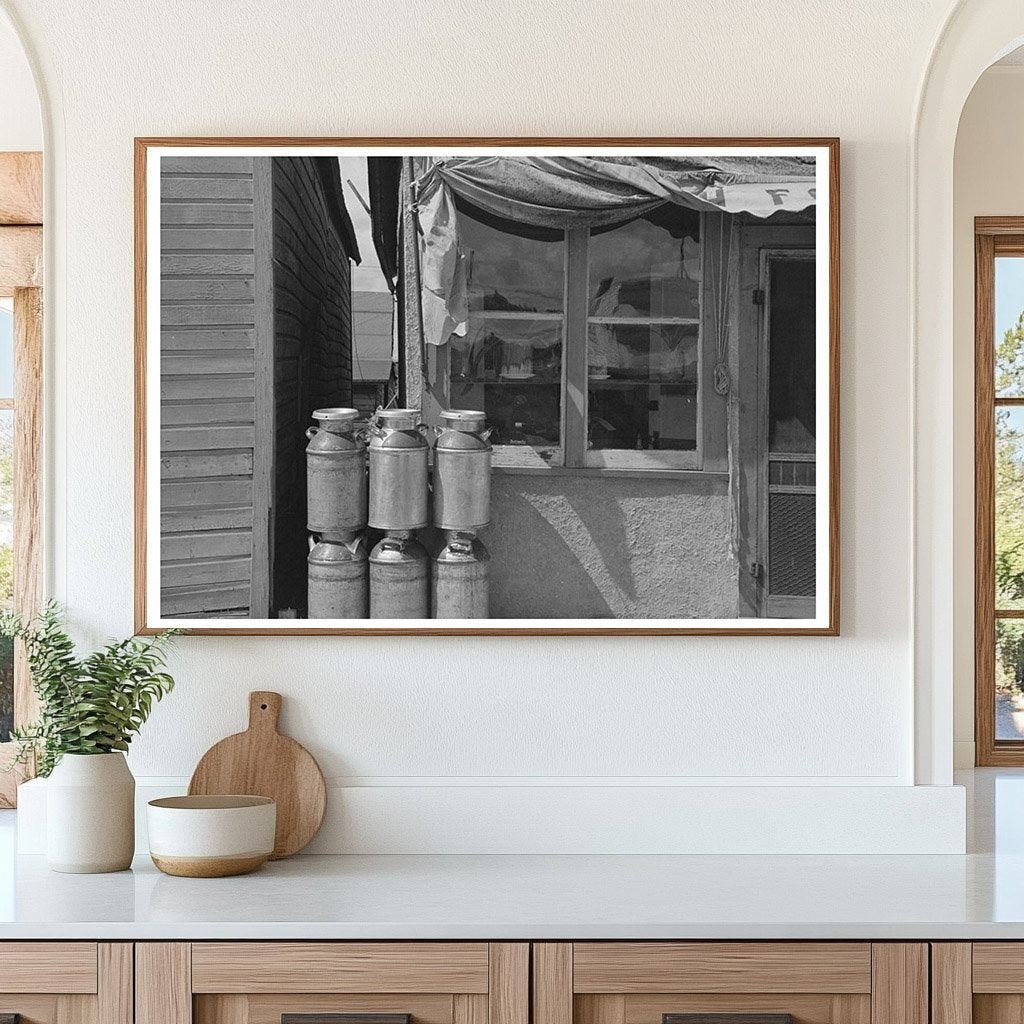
(6, 352)
(642, 386)
(1009, 679)
(511, 368)
(1009, 525)
(1009, 326)
(510, 362)
(6, 567)
(643, 330)
(791, 383)
(511, 267)
(650, 267)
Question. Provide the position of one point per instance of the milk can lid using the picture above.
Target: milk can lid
(464, 419)
(339, 415)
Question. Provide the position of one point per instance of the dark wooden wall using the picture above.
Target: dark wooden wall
(312, 345)
(214, 336)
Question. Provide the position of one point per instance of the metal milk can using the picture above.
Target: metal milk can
(399, 584)
(338, 579)
(462, 471)
(459, 579)
(335, 474)
(398, 471)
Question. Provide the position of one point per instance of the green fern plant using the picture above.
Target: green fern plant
(90, 705)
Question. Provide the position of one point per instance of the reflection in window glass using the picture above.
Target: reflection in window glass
(1009, 327)
(1009, 679)
(649, 267)
(643, 330)
(643, 386)
(1009, 508)
(509, 364)
(511, 267)
(6, 567)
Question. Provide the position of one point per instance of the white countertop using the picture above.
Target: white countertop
(496, 897)
(977, 896)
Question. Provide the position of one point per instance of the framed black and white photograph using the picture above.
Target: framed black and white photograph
(487, 386)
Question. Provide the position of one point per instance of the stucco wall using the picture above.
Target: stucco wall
(711, 711)
(603, 547)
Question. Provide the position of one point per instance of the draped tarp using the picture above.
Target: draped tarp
(576, 191)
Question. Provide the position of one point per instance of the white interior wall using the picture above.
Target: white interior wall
(987, 182)
(21, 126)
(445, 714)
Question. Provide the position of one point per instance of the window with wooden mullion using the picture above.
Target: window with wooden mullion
(999, 492)
(583, 345)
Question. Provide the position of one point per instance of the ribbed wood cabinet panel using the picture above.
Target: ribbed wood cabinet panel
(812, 982)
(66, 982)
(978, 983)
(259, 982)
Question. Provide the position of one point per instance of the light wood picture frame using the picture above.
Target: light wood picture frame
(669, 473)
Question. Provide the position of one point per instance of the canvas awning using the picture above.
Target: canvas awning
(571, 191)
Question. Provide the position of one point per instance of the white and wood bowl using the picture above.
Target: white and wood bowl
(211, 836)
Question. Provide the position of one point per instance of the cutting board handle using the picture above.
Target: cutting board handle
(264, 710)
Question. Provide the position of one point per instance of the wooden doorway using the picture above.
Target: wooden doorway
(787, 511)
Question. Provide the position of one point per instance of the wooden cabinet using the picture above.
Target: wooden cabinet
(754, 982)
(261, 982)
(494, 983)
(978, 983)
(66, 982)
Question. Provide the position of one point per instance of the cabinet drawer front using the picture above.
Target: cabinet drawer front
(998, 967)
(339, 967)
(58, 967)
(638, 967)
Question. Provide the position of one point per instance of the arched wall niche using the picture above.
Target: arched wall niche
(976, 34)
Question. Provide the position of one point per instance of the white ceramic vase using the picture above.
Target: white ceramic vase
(90, 814)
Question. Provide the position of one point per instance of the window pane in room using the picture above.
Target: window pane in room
(650, 267)
(6, 352)
(1009, 679)
(6, 567)
(1009, 508)
(1009, 326)
(642, 386)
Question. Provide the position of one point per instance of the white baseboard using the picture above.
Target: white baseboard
(620, 819)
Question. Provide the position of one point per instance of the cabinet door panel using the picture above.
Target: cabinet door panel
(66, 983)
(259, 982)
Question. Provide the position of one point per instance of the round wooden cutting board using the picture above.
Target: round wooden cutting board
(262, 762)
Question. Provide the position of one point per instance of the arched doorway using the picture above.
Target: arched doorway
(976, 34)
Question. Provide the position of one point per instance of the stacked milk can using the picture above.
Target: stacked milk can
(397, 579)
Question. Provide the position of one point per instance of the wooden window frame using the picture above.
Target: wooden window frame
(21, 270)
(573, 456)
(993, 237)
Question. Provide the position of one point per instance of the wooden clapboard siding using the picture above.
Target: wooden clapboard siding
(312, 351)
(211, 330)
